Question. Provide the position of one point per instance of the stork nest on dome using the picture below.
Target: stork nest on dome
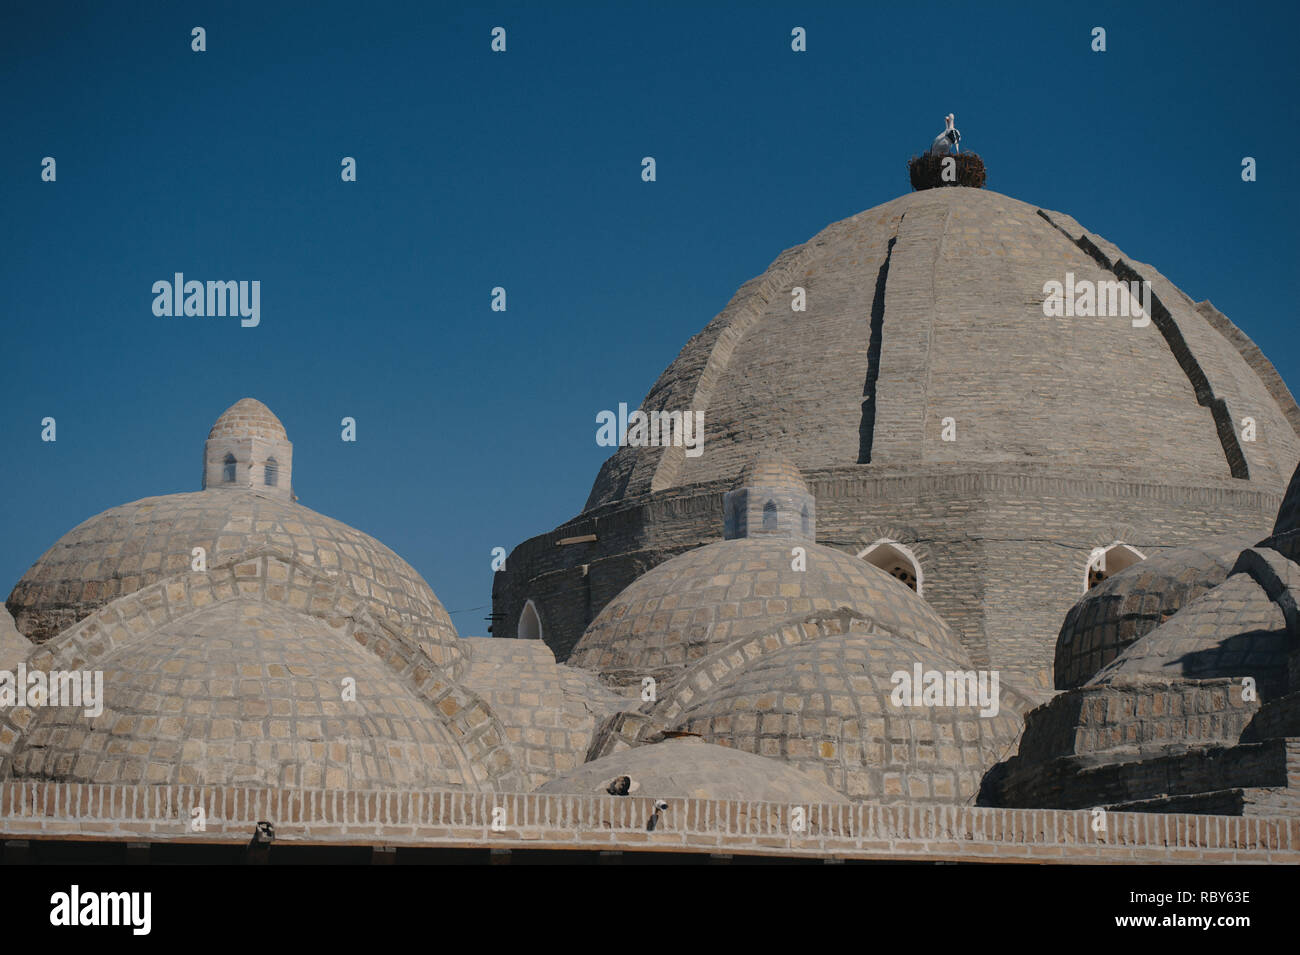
(926, 171)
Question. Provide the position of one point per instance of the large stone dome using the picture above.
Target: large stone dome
(932, 407)
(948, 286)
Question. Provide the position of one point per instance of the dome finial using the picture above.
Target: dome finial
(248, 448)
(770, 498)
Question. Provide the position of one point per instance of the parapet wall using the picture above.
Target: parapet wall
(71, 811)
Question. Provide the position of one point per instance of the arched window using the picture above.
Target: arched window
(530, 624)
(806, 522)
(897, 561)
(271, 473)
(769, 516)
(228, 469)
(1106, 562)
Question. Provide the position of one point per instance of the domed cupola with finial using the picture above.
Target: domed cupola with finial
(249, 449)
(770, 498)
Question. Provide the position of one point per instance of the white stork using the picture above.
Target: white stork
(947, 140)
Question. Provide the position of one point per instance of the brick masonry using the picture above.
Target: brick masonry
(925, 307)
(468, 744)
(1004, 550)
(126, 548)
(549, 712)
(31, 810)
(1132, 603)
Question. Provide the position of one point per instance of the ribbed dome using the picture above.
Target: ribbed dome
(692, 768)
(129, 547)
(248, 417)
(1117, 612)
(687, 607)
(932, 306)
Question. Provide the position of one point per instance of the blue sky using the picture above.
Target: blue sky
(476, 429)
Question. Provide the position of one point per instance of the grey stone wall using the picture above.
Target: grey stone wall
(1004, 551)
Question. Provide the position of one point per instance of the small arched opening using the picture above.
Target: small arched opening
(530, 623)
(1106, 562)
(271, 473)
(897, 561)
(769, 516)
(228, 470)
(805, 522)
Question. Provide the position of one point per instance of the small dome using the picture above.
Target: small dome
(689, 606)
(246, 692)
(825, 707)
(1120, 610)
(1234, 630)
(772, 469)
(689, 768)
(129, 547)
(248, 417)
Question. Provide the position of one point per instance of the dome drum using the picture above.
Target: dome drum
(777, 512)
